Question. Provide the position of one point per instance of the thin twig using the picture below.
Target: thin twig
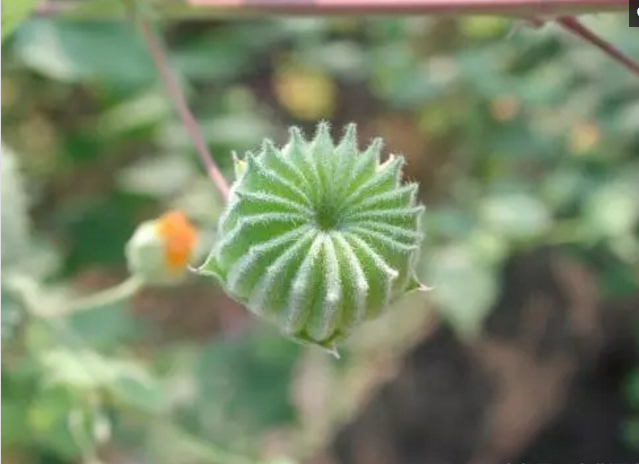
(120, 292)
(519, 8)
(175, 93)
(207, 9)
(576, 28)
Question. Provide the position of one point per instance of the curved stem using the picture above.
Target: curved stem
(120, 292)
(576, 28)
(513, 8)
(173, 90)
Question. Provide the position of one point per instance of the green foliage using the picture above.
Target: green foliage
(74, 52)
(516, 144)
(15, 221)
(13, 13)
(447, 269)
(227, 375)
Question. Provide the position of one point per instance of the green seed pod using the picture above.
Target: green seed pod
(318, 238)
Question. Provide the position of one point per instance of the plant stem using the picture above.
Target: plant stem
(208, 9)
(520, 8)
(173, 90)
(573, 26)
(120, 292)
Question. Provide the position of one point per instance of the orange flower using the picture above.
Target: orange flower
(159, 250)
(179, 239)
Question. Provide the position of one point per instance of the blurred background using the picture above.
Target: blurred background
(526, 148)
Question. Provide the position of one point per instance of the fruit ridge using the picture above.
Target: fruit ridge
(318, 237)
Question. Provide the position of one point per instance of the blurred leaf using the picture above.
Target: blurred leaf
(612, 210)
(480, 69)
(515, 215)
(631, 432)
(488, 247)
(73, 51)
(19, 384)
(402, 81)
(227, 52)
(563, 186)
(158, 175)
(145, 110)
(11, 314)
(128, 384)
(340, 58)
(282, 461)
(137, 390)
(15, 222)
(201, 203)
(245, 384)
(80, 370)
(100, 228)
(107, 327)
(449, 222)
(13, 13)
(464, 288)
(16, 430)
(59, 421)
(534, 90)
(243, 131)
(220, 58)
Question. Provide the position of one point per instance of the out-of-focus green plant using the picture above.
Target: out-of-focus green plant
(517, 143)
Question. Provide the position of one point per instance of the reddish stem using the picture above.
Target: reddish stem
(573, 26)
(175, 93)
(519, 8)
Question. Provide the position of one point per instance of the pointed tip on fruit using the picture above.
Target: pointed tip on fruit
(394, 163)
(296, 142)
(351, 128)
(416, 286)
(199, 270)
(250, 159)
(239, 165)
(323, 127)
(348, 143)
(267, 145)
(296, 134)
(374, 149)
(323, 137)
(333, 352)
(209, 267)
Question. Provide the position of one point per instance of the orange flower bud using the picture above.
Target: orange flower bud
(159, 250)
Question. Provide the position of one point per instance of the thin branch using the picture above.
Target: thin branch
(517, 8)
(120, 292)
(207, 9)
(573, 26)
(175, 93)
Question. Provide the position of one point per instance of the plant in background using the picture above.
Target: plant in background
(318, 237)
(338, 243)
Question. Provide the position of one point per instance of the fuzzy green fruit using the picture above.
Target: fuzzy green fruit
(316, 237)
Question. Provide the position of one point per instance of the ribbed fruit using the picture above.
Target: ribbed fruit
(316, 237)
